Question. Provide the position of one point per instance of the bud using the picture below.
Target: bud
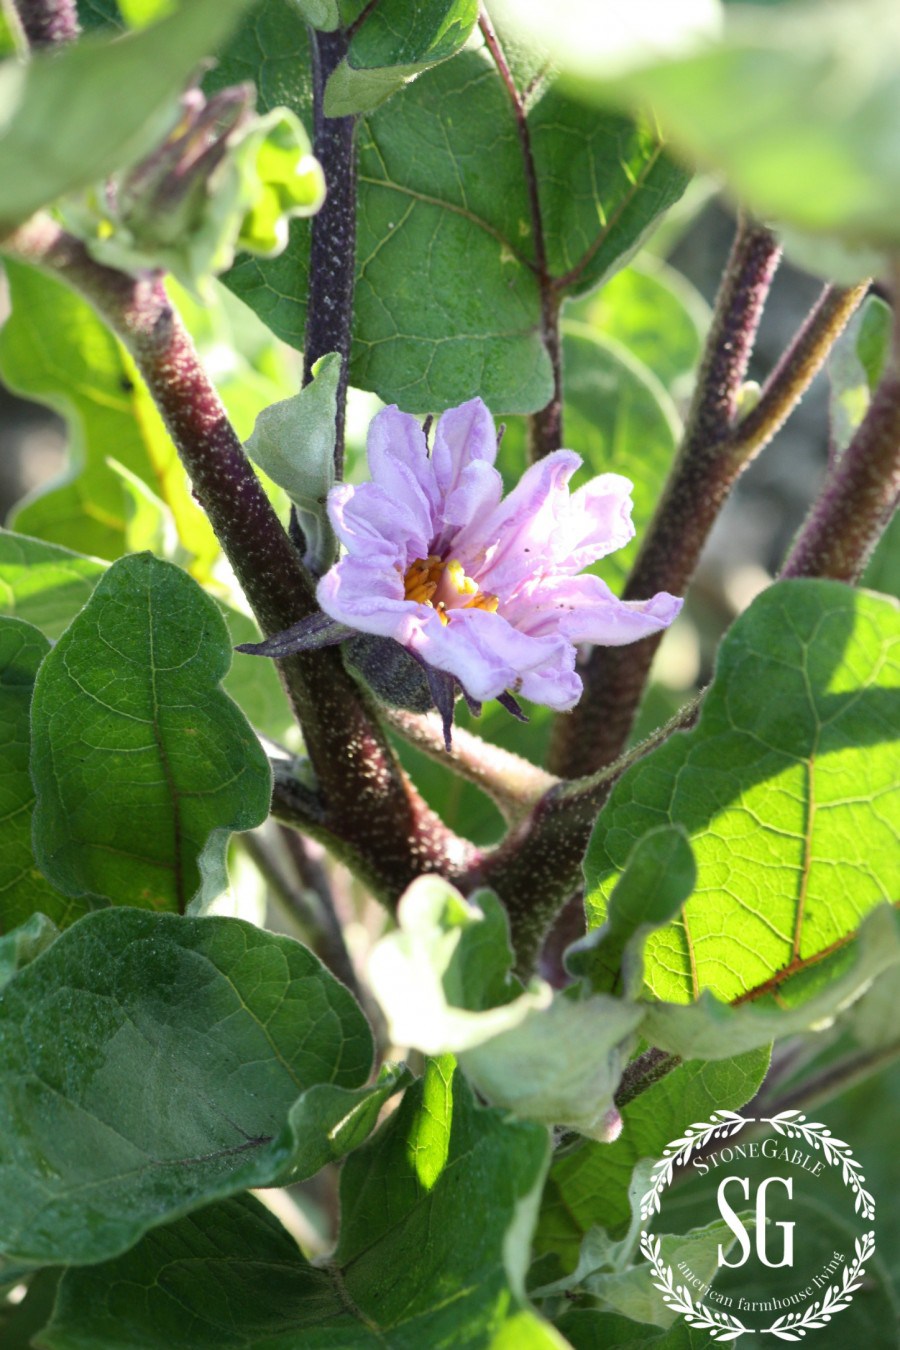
(224, 179)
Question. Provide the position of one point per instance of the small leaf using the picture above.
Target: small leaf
(393, 45)
(68, 141)
(659, 877)
(156, 1064)
(545, 1057)
(293, 442)
(141, 765)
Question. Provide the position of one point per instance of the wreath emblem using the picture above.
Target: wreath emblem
(791, 1326)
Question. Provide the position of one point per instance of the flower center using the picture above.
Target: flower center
(444, 586)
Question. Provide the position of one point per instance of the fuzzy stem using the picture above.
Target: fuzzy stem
(703, 475)
(860, 493)
(514, 784)
(642, 1073)
(371, 813)
(332, 259)
(49, 22)
(537, 867)
(545, 426)
(795, 371)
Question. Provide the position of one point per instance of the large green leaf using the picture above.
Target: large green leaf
(436, 1213)
(68, 139)
(23, 887)
(150, 1064)
(790, 800)
(393, 45)
(141, 765)
(444, 210)
(55, 349)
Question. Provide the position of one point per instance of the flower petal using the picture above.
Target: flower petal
(463, 436)
(369, 598)
(584, 609)
(372, 524)
(520, 537)
(488, 655)
(398, 459)
(599, 521)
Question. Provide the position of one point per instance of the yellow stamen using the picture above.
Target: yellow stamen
(426, 577)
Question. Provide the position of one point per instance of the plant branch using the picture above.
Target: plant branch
(827, 1083)
(513, 783)
(332, 259)
(861, 491)
(306, 902)
(537, 867)
(370, 812)
(48, 22)
(701, 478)
(545, 426)
(643, 1072)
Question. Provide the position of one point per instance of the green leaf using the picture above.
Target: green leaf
(716, 1030)
(141, 765)
(589, 1186)
(659, 877)
(55, 349)
(655, 312)
(24, 943)
(150, 1064)
(439, 205)
(790, 801)
(798, 107)
(392, 46)
(587, 1329)
(441, 979)
(854, 368)
(601, 37)
(48, 585)
(69, 141)
(427, 1255)
(23, 886)
(293, 442)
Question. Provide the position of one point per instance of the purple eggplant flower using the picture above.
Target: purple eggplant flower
(482, 588)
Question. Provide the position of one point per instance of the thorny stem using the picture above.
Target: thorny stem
(332, 259)
(861, 491)
(48, 22)
(368, 812)
(545, 426)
